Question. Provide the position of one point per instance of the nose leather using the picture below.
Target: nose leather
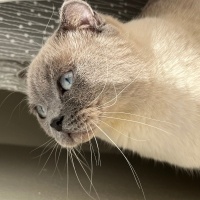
(56, 123)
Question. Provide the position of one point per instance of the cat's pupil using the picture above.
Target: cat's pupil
(68, 80)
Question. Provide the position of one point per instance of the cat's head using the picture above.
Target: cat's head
(77, 73)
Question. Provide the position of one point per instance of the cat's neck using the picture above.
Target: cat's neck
(139, 32)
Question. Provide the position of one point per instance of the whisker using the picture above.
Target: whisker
(102, 106)
(131, 82)
(128, 120)
(114, 99)
(48, 22)
(128, 162)
(143, 117)
(44, 151)
(87, 175)
(6, 98)
(68, 100)
(123, 133)
(99, 156)
(91, 160)
(91, 147)
(15, 109)
(67, 173)
(21, 109)
(50, 140)
(86, 163)
(92, 151)
(103, 86)
(48, 159)
(91, 174)
(72, 161)
(57, 160)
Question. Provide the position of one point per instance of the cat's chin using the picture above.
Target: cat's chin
(71, 140)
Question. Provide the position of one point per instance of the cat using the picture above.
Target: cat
(135, 85)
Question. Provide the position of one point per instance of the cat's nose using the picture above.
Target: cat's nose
(56, 123)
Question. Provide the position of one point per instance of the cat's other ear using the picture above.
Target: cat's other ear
(77, 14)
(22, 74)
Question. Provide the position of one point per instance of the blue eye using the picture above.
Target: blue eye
(41, 111)
(66, 81)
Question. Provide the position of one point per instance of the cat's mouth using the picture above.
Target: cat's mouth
(72, 139)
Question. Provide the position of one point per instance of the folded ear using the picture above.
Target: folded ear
(77, 14)
(22, 74)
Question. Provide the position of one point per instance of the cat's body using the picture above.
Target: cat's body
(169, 37)
(151, 63)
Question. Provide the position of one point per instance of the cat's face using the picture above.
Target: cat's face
(72, 77)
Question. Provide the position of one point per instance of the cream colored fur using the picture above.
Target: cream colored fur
(169, 39)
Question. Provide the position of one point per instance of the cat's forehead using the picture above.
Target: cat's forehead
(63, 50)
